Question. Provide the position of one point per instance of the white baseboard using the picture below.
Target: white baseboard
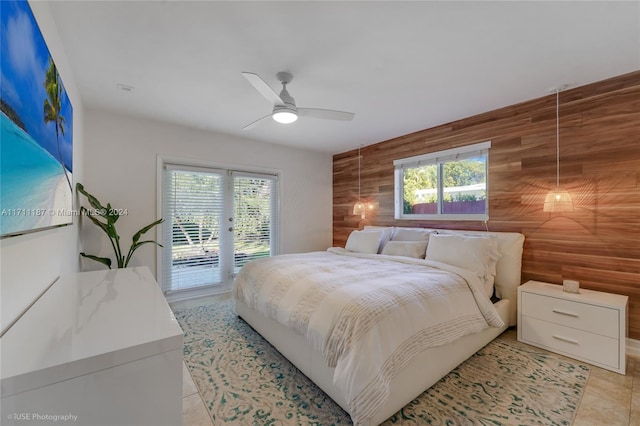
(633, 347)
(180, 296)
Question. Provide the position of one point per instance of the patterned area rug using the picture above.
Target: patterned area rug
(245, 381)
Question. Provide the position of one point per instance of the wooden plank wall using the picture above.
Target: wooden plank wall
(598, 244)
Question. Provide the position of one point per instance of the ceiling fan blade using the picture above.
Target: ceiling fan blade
(326, 114)
(263, 88)
(255, 123)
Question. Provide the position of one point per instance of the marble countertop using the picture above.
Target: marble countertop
(84, 323)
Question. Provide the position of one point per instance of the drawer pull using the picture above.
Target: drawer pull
(566, 339)
(569, 314)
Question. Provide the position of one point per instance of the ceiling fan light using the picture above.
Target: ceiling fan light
(285, 116)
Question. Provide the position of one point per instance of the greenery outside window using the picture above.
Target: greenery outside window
(444, 185)
(216, 221)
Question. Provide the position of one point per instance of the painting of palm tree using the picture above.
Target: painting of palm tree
(52, 108)
(36, 123)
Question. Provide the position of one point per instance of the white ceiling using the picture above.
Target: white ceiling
(399, 66)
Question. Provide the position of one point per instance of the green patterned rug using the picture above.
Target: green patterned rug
(245, 381)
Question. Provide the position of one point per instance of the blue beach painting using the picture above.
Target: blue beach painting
(36, 139)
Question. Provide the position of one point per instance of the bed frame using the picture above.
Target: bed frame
(424, 370)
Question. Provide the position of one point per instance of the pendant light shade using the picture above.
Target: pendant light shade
(558, 200)
(359, 209)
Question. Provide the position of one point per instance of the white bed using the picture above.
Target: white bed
(423, 370)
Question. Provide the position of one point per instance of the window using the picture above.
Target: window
(216, 220)
(444, 185)
(255, 204)
(194, 207)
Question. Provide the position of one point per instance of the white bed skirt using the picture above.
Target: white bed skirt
(421, 373)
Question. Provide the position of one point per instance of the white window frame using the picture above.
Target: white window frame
(438, 158)
(161, 162)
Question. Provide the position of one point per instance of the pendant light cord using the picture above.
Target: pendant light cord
(557, 137)
(359, 174)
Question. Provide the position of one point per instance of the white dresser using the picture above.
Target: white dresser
(98, 348)
(590, 326)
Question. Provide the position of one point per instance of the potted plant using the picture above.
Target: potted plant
(105, 217)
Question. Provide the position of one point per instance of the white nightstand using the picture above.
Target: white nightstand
(590, 326)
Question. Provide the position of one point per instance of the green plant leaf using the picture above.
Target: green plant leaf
(108, 229)
(135, 246)
(138, 234)
(103, 260)
(95, 203)
(111, 216)
(112, 233)
(138, 244)
(101, 225)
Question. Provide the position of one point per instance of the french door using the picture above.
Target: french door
(216, 220)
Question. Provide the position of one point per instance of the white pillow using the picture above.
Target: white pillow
(494, 255)
(405, 234)
(364, 241)
(387, 232)
(474, 253)
(415, 249)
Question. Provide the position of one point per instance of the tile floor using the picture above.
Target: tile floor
(609, 399)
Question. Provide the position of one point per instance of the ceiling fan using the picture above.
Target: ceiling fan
(284, 106)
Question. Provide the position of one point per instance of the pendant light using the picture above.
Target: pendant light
(359, 207)
(558, 200)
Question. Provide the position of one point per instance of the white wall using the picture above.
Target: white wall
(29, 263)
(121, 160)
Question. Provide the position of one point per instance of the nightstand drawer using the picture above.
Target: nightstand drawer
(569, 341)
(582, 316)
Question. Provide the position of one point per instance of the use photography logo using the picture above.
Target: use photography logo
(42, 417)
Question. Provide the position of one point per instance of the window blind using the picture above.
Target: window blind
(215, 221)
(255, 217)
(453, 154)
(193, 209)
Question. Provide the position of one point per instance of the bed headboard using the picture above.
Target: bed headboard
(508, 268)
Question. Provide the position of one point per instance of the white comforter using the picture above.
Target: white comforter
(369, 315)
